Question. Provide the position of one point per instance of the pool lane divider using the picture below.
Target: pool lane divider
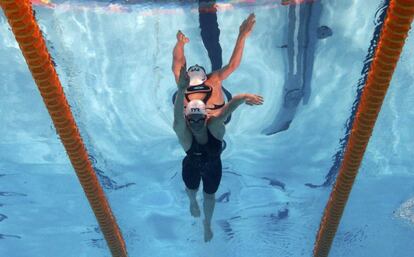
(392, 39)
(20, 16)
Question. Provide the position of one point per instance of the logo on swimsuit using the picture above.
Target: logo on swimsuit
(195, 110)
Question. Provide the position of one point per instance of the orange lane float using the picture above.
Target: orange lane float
(395, 29)
(19, 14)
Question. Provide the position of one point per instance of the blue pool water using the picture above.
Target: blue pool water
(114, 61)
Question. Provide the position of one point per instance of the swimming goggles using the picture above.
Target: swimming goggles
(193, 121)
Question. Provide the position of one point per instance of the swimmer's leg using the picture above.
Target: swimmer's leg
(208, 205)
(192, 195)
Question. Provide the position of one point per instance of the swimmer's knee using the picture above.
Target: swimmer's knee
(209, 196)
(191, 189)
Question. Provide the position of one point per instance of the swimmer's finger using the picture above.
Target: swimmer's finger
(251, 17)
(259, 100)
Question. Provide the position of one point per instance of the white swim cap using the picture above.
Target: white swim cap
(197, 75)
(195, 107)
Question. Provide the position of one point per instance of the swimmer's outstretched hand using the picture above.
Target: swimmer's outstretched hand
(251, 99)
(247, 26)
(183, 80)
(182, 38)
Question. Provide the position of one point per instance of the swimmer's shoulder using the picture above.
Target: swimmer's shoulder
(213, 80)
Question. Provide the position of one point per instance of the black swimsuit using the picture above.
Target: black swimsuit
(203, 88)
(203, 162)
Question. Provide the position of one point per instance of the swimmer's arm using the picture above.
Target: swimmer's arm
(178, 59)
(235, 102)
(180, 126)
(179, 120)
(230, 107)
(182, 84)
(245, 29)
(234, 62)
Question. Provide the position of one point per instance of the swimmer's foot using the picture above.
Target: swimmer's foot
(208, 233)
(194, 209)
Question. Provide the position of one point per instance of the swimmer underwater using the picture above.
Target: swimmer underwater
(208, 87)
(201, 137)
